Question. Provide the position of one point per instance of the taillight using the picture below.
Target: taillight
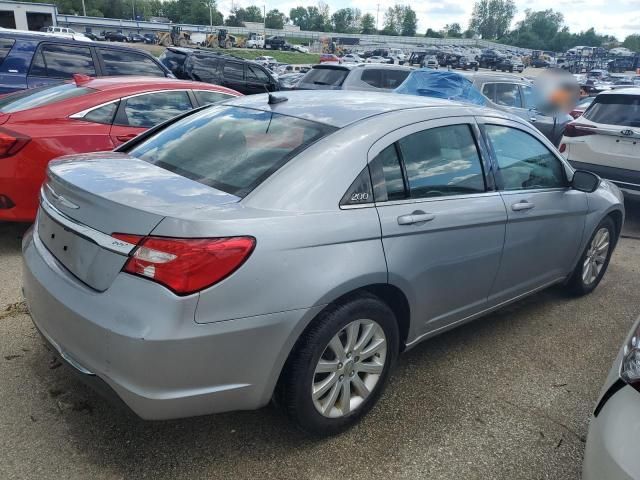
(563, 147)
(11, 142)
(576, 113)
(186, 265)
(578, 130)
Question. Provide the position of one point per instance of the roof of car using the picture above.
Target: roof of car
(338, 108)
(622, 91)
(495, 76)
(152, 83)
(46, 36)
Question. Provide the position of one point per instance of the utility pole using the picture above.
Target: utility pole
(84, 9)
(264, 19)
(377, 15)
(133, 9)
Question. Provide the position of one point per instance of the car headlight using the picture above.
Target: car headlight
(630, 366)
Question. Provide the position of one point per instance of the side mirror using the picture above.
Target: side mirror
(584, 181)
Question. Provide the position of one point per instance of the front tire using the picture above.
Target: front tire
(339, 366)
(594, 260)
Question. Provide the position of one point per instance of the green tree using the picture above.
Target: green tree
(409, 22)
(453, 30)
(431, 33)
(492, 18)
(275, 19)
(368, 24)
(400, 20)
(346, 20)
(632, 42)
(253, 14)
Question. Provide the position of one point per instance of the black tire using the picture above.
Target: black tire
(293, 393)
(576, 285)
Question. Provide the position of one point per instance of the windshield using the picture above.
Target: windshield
(324, 77)
(41, 96)
(623, 110)
(229, 148)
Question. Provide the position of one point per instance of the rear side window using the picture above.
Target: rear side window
(102, 114)
(41, 96)
(372, 77)
(203, 68)
(393, 78)
(6, 44)
(206, 97)
(151, 109)
(118, 62)
(62, 61)
(622, 110)
(391, 185)
(19, 58)
(325, 77)
(234, 70)
(229, 148)
(442, 161)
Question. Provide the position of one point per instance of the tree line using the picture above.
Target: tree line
(490, 20)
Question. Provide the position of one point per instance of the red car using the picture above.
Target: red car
(86, 115)
(329, 57)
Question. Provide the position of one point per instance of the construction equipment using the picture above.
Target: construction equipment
(176, 37)
(225, 40)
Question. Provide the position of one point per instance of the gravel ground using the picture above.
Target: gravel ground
(505, 397)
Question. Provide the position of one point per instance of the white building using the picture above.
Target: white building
(27, 15)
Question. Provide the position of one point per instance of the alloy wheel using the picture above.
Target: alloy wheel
(596, 256)
(349, 368)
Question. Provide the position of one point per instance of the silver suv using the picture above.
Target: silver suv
(372, 77)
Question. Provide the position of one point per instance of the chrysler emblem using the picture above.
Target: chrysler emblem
(627, 133)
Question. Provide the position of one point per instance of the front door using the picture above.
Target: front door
(442, 224)
(546, 217)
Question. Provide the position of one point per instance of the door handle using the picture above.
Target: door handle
(416, 217)
(523, 205)
(127, 137)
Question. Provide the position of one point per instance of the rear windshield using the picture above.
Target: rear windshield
(623, 110)
(41, 96)
(324, 77)
(229, 148)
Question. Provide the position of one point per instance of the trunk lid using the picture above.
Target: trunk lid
(87, 198)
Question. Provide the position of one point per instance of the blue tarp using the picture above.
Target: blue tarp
(426, 82)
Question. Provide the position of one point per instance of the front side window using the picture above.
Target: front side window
(523, 161)
(230, 148)
(118, 62)
(442, 161)
(148, 110)
(508, 94)
(63, 61)
(257, 74)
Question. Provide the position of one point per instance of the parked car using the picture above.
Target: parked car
(374, 77)
(87, 115)
(290, 81)
(276, 43)
(430, 61)
(68, 33)
(352, 58)
(581, 106)
(94, 37)
(136, 38)
(606, 139)
(256, 41)
(300, 48)
(187, 226)
(504, 64)
(329, 58)
(613, 427)
(22, 60)
(116, 37)
(150, 38)
(518, 65)
(517, 95)
(244, 76)
(378, 59)
(462, 62)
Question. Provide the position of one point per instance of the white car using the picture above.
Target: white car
(352, 58)
(300, 48)
(606, 139)
(68, 33)
(265, 60)
(377, 59)
(611, 452)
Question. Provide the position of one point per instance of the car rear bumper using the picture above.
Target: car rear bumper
(143, 342)
(22, 188)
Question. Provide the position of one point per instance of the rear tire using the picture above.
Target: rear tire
(330, 411)
(594, 260)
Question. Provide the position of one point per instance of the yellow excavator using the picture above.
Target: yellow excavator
(176, 37)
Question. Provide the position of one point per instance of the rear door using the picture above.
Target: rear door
(442, 221)
(53, 63)
(138, 113)
(233, 76)
(546, 217)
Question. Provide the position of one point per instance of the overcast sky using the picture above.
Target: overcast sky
(619, 18)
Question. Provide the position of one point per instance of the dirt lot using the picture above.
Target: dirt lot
(505, 397)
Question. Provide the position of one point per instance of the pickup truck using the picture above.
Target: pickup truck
(276, 43)
(256, 41)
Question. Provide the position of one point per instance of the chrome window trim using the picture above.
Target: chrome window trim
(101, 239)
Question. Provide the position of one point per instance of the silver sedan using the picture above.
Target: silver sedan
(292, 246)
